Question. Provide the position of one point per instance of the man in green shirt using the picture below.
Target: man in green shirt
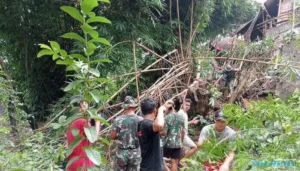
(173, 140)
(229, 77)
(124, 130)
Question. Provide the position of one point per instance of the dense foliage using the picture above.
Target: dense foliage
(153, 23)
(79, 67)
(267, 131)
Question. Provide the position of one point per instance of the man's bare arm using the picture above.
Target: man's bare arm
(226, 163)
(159, 121)
(113, 135)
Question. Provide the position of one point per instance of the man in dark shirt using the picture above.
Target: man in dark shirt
(149, 136)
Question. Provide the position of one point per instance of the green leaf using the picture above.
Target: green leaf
(55, 46)
(73, 118)
(74, 144)
(93, 155)
(72, 35)
(62, 119)
(55, 125)
(102, 120)
(70, 68)
(91, 14)
(88, 5)
(75, 132)
(104, 140)
(91, 134)
(45, 46)
(63, 53)
(70, 86)
(95, 72)
(98, 19)
(103, 160)
(102, 60)
(105, 1)
(72, 161)
(293, 77)
(91, 47)
(79, 56)
(66, 62)
(73, 12)
(55, 56)
(102, 80)
(101, 40)
(96, 95)
(44, 52)
(89, 29)
(92, 112)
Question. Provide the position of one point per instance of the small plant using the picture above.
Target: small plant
(84, 74)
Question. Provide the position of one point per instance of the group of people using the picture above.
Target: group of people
(162, 133)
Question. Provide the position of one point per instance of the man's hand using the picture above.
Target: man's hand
(224, 167)
(184, 93)
(195, 120)
(236, 70)
(168, 105)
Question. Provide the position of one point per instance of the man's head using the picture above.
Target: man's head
(187, 105)
(148, 106)
(129, 104)
(220, 121)
(78, 101)
(228, 68)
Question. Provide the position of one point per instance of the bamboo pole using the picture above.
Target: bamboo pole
(189, 46)
(148, 49)
(136, 75)
(179, 30)
(48, 124)
(125, 85)
(132, 73)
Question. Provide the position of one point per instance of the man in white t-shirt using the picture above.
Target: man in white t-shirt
(223, 133)
(187, 141)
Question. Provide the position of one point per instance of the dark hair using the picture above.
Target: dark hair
(148, 105)
(188, 100)
(177, 104)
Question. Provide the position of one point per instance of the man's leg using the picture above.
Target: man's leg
(121, 160)
(188, 142)
(231, 87)
(166, 166)
(174, 164)
(134, 159)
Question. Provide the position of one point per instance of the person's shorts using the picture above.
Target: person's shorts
(173, 153)
(188, 142)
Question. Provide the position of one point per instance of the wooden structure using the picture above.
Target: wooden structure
(274, 18)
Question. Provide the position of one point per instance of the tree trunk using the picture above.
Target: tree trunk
(31, 119)
(11, 113)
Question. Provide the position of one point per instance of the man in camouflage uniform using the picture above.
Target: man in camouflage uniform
(174, 133)
(229, 77)
(124, 130)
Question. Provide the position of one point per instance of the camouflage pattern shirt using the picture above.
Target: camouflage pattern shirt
(174, 125)
(126, 128)
(228, 75)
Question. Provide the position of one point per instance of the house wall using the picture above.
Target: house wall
(285, 11)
